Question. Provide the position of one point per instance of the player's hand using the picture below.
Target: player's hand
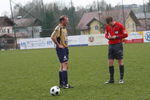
(109, 37)
(112, 37)
(60, 46)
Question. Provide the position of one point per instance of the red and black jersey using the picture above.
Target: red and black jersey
(116, 30)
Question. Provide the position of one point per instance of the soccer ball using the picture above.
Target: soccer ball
(55, 90)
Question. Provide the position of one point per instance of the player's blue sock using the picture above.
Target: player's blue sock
(111, 71)
(121, 67)
(66, 77)
(60, 78)
(63, 78)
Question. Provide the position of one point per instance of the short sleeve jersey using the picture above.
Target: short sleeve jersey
(61, 33)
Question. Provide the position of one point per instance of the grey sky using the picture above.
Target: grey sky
(5, 8)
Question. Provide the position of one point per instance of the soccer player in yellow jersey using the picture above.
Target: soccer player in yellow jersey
(59, 37)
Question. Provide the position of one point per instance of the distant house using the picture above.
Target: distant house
(22, 27)
(29, 26)
(144, 21)
(94, 22)
(6, 25)
(19, 28)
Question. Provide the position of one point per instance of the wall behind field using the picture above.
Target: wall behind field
(82, 40)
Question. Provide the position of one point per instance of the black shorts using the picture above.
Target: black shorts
(115, 51)
(63, 54)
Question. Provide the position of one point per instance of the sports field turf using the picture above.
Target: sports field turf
(28, 74)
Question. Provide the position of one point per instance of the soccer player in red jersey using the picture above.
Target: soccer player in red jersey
(115, 33)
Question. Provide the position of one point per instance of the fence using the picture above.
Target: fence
(82, 40)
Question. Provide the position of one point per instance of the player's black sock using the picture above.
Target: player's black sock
(66, 77)
(111, 71)
(121, 67)
(63, 78)
(60, 78)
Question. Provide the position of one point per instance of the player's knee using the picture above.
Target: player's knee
(110, 62)
(64, 66)
(120, 62)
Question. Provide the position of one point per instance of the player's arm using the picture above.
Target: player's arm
(124, 33)
(54, 39)
(106, 33)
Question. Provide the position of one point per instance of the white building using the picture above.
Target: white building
(30, 26)
(22, 27)
(6, 25)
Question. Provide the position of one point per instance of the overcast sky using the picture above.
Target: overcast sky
(5, 6)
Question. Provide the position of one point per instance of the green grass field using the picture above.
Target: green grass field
(29, 74)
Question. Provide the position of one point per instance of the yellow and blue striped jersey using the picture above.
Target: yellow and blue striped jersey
(61, 34)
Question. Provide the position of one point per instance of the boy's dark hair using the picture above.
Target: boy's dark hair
(109, 19)
(62, 18)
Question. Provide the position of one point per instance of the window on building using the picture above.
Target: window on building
(96, 27)
(3, 30)
(7, 30)
(36, 30)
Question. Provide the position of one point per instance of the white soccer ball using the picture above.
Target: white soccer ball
(55, 90)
